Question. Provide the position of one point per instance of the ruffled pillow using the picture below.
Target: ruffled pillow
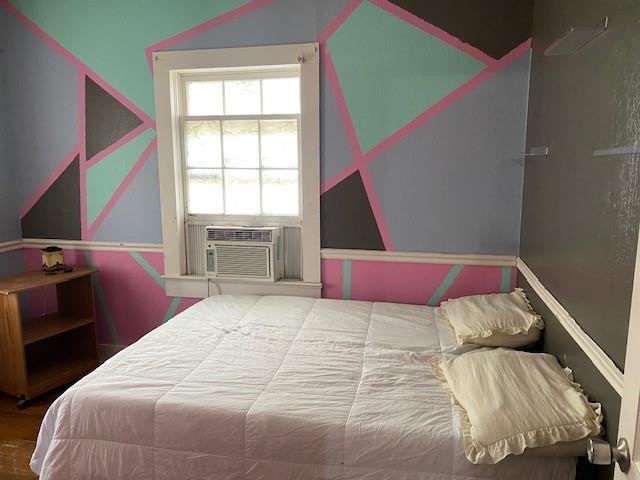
(495, 320)
(512, 401)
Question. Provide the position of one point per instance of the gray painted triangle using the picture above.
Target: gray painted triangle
(57, 213)
(106, 119)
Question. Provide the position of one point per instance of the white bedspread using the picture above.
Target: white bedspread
(248, 387)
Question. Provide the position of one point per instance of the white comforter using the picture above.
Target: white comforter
(248, 387)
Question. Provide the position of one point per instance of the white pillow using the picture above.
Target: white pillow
(512, 401)
(495, 320)
(446, 335)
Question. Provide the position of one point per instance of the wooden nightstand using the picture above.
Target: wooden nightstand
(43, 353)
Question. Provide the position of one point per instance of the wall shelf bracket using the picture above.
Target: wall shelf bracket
(633, 149)
(576, 38)
(534, 152)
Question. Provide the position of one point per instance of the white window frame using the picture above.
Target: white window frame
(168, 69)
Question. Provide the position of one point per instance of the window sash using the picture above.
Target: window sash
(255, 218)
(233, 74)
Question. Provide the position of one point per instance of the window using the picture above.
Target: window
(238, 144)
(241, 142)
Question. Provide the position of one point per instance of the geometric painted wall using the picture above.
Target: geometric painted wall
(433, 133)
(425, 102)
(422, 108)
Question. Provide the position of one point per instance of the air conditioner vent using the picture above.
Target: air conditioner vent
(243, 261)
(239, 235)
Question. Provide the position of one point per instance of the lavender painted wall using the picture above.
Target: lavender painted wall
(9, 225)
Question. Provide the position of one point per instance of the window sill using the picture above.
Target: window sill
(192, 286)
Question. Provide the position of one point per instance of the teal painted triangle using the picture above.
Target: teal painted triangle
(391, 71)
(104, 177)
(110, 37)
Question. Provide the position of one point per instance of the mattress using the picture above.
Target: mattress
(250, 387)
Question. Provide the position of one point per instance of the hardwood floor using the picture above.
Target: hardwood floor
(18, 433)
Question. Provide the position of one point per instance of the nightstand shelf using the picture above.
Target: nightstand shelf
(51, 325)
(63, 369)
(42, 353)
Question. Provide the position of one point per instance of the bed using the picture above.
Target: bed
(250, 387)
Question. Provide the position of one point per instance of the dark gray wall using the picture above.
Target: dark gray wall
(580, 213)
(9, 225)
(557, 341)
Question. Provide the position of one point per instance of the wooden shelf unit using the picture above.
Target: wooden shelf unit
(42, 353)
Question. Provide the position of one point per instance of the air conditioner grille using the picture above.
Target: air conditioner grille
(242, 261)
(238, 235)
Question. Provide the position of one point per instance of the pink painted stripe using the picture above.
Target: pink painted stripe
(143, 127)
(377, 211)
(71, 58)
(82, 140)
(122, 187)
(332, 75)
(49, 181)
(447, 101)
(192, 32)
(434, 31)
(339, 20)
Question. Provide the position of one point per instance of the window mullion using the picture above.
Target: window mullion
(224, 98)
(224, 113)
(260, 146)
(260, 162)
(224, 185)
(261, 99)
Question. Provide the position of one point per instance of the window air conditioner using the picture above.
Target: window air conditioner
(244, 253)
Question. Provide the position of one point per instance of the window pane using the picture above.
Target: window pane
(204, 98)
(279, 143)
(242, 97)
(203, 144)
(242, 190)
(281, 95)
(240, 139)
(205, 191)
(280, 192)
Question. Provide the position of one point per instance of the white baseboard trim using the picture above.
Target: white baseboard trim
(10, 246)
(418, 257)
(106, 351)
(92, 245)
(599, 358)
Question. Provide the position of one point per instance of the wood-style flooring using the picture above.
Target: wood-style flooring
(18, 433)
